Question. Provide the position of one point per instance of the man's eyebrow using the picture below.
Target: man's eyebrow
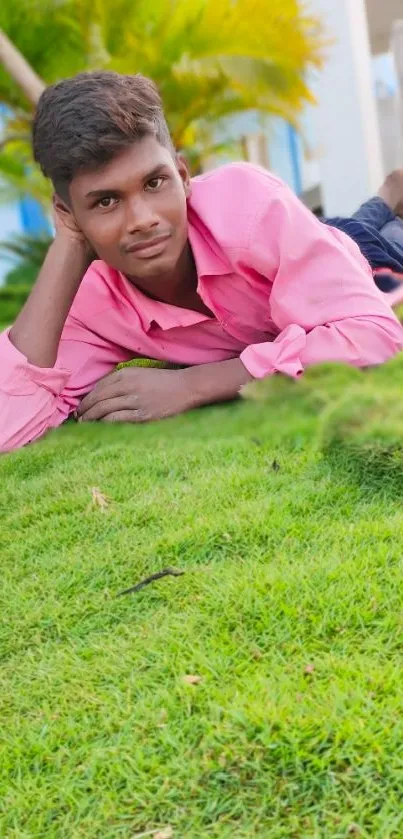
(154, 172)
(100, 193)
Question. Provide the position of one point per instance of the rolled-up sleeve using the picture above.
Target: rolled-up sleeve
(28, 397)
(36, 399)
(323, 300)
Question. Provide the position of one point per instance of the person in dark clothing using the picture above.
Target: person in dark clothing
(377, 228)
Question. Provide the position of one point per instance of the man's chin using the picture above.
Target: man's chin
(152, 267)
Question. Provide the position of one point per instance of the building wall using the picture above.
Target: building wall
(10, 223)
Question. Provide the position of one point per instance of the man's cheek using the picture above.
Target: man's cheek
(105, 250)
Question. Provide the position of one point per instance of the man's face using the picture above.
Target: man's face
(133, 210)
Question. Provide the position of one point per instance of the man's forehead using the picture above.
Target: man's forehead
(134, 163)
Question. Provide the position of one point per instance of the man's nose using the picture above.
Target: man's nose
(140, 216)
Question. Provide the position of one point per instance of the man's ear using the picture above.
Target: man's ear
(64, 218)
(60, 205)
(183, 170)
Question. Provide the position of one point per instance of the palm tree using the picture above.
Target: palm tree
(210, 58)
(26, 254)
(19, 69)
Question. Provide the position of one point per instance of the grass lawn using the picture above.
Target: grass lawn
(285, 512)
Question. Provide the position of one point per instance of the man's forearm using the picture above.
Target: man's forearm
(216, 382)
(37, 330)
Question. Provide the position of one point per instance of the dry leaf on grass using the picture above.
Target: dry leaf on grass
(167, 833)
(99, 499)
(163, 719)
(192, 680)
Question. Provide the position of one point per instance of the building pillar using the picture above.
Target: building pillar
(397, 51)
(349, 147)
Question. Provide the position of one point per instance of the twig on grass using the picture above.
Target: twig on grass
(158, 833)
(166, 572)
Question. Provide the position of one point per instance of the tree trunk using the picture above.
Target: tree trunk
(19, 69)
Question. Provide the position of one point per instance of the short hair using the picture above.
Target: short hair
(81, 123)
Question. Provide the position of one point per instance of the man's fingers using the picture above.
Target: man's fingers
(125, 416)
(107, 388)
(108, 406)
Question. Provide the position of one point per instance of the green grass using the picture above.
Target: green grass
(285, 512)
(12, 298)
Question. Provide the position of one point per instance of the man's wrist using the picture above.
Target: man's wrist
(72, 250)
(217, 382)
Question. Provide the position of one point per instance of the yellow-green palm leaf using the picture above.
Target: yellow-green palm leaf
(210, 58)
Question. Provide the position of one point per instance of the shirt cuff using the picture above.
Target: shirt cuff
(279, 356)
(20, 378)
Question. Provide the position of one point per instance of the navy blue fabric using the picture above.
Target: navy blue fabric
(387, 282)
(366, 227)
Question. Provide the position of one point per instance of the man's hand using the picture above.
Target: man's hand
(68, 230)
(142, 394)
(136, 394)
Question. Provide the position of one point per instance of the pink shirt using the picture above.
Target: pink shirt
(286, 291)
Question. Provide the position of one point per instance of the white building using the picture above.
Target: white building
(358, 132)
(355, 133)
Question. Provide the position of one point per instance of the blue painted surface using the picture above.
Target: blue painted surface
(278, 146)
(295, 157)
(33, 219)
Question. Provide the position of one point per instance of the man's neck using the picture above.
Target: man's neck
(178, 288)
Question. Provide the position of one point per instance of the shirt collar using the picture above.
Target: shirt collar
(209, 258)
(164, 315)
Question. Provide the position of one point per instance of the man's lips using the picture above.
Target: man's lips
(148, 244)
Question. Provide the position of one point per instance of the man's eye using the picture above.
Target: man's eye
(155, 183)
(106, 202)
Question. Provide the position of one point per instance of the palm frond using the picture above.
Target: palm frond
(33, 248)
(211, 59)
(20, 175)
(26, 254)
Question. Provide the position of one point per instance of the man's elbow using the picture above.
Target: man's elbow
(384, 340)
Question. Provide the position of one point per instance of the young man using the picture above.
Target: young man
(228, 274)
